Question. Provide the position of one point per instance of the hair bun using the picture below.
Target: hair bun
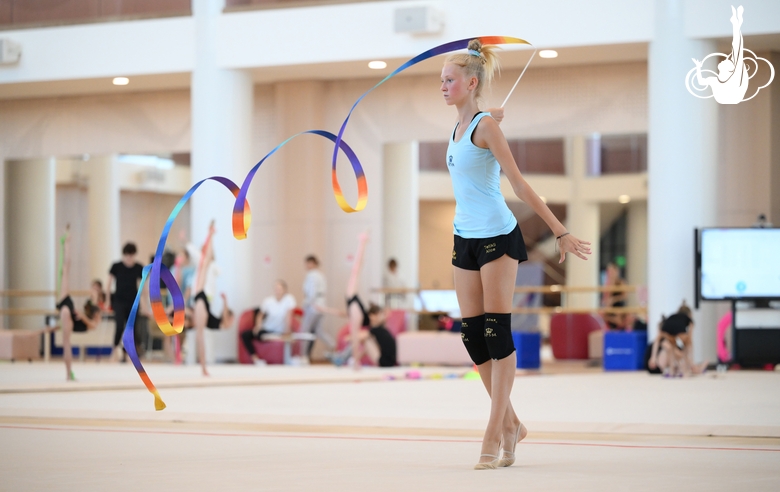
(475, 44)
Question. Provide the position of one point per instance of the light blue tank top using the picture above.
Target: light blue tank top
(480, 209)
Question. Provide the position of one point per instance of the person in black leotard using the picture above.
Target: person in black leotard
(70, 319)
(373, 338)
(202, 317)
(362, 342)
(672, 350)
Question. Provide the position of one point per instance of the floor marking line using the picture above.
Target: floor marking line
(395, 439)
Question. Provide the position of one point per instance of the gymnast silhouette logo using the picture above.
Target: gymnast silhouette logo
(730, 84)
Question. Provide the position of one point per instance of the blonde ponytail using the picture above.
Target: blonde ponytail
(480, 62)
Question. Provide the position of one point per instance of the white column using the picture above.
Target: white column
(582, 220)
(3, 233)
(401, 209)
(774, 149)
(682, 171)
(103, 202)
(222, 104)
(636, 256)
(30, 192)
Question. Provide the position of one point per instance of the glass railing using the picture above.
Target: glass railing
(19, 14)
(238, 5)
(533, 156)
(617, 154)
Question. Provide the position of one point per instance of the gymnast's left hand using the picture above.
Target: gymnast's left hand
(497, 114)
(570, 244)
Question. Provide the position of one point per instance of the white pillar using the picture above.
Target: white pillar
(30, 192)
(774, 149)
(103, 205)
(582, 220)
(222, 105)
(3, 233)
(636, 254)
(682, 171)
(401, 210)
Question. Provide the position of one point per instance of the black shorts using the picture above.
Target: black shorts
(212, 322)
(387, 347)
(473, 254)
(78, 325)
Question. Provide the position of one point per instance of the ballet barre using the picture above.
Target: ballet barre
(40, 293)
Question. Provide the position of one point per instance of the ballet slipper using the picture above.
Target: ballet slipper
(508, 459)
(490, 465)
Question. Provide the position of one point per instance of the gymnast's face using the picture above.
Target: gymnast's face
(279, 290)
(455, 85)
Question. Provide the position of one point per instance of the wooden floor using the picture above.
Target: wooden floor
(323, 428)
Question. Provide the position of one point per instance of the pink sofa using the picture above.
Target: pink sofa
(272, 351)
(432, 348)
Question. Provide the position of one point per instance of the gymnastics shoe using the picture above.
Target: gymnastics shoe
(508, 459)
(490, 465)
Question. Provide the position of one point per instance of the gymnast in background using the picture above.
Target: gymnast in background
(201, 314)
(70, 319)
(367, 333)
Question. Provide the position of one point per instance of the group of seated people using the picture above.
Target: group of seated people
(367, 334)
(273, 318)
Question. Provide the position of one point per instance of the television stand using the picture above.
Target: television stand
(755, 332)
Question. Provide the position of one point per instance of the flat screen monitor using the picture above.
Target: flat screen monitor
(739, 263)
(438, 301)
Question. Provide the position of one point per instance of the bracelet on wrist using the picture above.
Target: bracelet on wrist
(564, 234)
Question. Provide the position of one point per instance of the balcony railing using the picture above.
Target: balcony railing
(238, 5)
(533, 156)
(19, 14)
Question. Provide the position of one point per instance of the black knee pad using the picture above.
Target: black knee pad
(498, 335)
(472, 333)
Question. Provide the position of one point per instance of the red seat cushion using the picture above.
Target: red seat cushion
(569, 334)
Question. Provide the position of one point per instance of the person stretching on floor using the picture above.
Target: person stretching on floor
(70, 319)
(374, 339)
(363, 342)
(672, 351)
(202, 317)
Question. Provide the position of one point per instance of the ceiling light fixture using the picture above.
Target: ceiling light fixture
(624, 198)
(548, 54)
(121, 81)
(377, 65)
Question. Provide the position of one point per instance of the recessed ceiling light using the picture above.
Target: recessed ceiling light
(377, 65)
(624, 198)
(548, 54)
(121, 81)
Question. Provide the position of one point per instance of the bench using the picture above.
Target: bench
(101, 336)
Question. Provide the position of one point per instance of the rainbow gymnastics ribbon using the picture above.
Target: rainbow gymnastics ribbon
(242, 217)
